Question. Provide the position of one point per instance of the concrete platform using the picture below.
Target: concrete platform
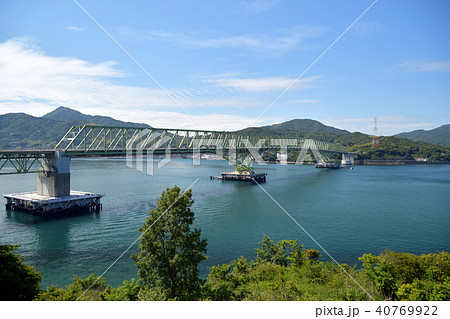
(242, 176)
(34, 203)
(328, 165)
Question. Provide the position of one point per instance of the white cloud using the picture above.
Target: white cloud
(266, 84)
(35, 83)
(305, 101)
(213, 121)
(257, 6)
(74, 28)
(423, 66)
(279, 40)
(27, 74)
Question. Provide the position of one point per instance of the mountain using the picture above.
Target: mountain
(306, 125)
(312, 129)
(303, 125)
(439, 136)
(20, 130)
(69, 115)
(389, 148)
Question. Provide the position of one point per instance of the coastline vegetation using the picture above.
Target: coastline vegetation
(170, 251)
(389, 148)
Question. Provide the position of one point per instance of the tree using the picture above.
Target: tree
(17, 281)
(91, 288)
(170, 250)
(280, 253)
(127, 292)
(404, 276)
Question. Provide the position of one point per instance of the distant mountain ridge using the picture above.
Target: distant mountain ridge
(69, 115)
(310, 129)
(20, 130)
(438, 136)
(306, 125)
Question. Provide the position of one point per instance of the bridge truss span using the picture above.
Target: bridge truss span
(97, 140)
(24, 161)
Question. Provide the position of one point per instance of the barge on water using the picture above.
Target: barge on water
(328, 165)
(76, 202)
(242, 176)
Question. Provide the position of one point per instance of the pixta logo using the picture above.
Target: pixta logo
(142, 147)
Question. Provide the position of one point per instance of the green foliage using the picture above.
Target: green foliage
(284, 271)
(393, 148)
(17, 281)
(303, 125)
(170, 250)
(390, 147)
(244, 163)
(91, 288)
(403, 276)
(243, 168)
(129, 291)
(438, 136)
(269, 156)
(279, 253)
(312, 254)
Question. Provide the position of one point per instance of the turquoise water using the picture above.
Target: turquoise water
(349, 212)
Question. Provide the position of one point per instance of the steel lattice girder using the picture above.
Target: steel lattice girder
(24, 161)
(111, 140)
(96, 140)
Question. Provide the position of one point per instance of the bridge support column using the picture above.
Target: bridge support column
(55, 182)
(347, 159)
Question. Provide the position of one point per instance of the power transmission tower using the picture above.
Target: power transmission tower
(375, 139)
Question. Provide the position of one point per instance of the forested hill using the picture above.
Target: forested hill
(66, 114)
(439, 136)
(389, 147)
(20, 130)
(304, 125)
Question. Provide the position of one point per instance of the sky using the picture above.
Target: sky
(227, 65)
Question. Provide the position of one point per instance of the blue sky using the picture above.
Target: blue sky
(223, 63)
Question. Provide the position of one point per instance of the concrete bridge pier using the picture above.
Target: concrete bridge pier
(53, 196)
(55, 181)
(347, 159)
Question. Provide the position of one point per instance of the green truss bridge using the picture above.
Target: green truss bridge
(54, 196)
(95, 140)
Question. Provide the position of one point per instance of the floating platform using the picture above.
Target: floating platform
(242, 176)
(76, 202)
(328, 165)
